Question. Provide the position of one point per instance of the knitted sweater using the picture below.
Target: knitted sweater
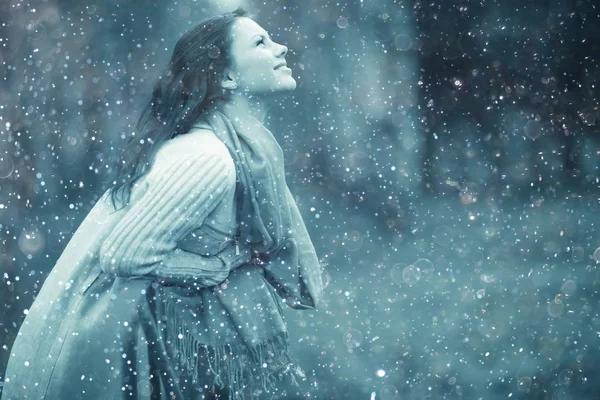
(192, 175)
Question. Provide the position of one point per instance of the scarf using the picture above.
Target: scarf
(238, 326)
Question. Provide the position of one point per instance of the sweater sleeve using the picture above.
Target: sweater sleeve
(181, 193)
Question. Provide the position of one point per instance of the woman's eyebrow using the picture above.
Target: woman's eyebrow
(262, 35)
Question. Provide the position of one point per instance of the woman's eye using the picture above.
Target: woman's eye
(260, 41)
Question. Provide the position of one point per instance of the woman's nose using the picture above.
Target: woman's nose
(284, 50)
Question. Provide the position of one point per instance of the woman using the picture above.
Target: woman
(171, 286)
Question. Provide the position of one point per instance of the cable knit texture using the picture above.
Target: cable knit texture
(181, 192)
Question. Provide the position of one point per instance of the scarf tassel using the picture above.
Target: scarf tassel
(245, 372)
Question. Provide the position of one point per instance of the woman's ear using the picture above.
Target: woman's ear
(228, 83)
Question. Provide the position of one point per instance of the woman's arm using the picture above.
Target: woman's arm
(182, 191)
(207, 270)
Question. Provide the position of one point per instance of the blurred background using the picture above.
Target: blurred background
(445, 156)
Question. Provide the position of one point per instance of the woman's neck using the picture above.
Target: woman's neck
(247, 106)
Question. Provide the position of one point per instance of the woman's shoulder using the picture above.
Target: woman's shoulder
(198, 141)
(197, 144)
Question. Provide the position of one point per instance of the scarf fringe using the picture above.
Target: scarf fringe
(245, 371)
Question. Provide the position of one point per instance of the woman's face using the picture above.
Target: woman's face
(255, 58)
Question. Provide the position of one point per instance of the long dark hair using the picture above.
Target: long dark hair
(188, 86)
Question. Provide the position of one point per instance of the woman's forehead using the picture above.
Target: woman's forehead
(246, 28)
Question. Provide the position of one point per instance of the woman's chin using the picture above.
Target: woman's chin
(292, 85)
(284, 87)
(287, 83)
